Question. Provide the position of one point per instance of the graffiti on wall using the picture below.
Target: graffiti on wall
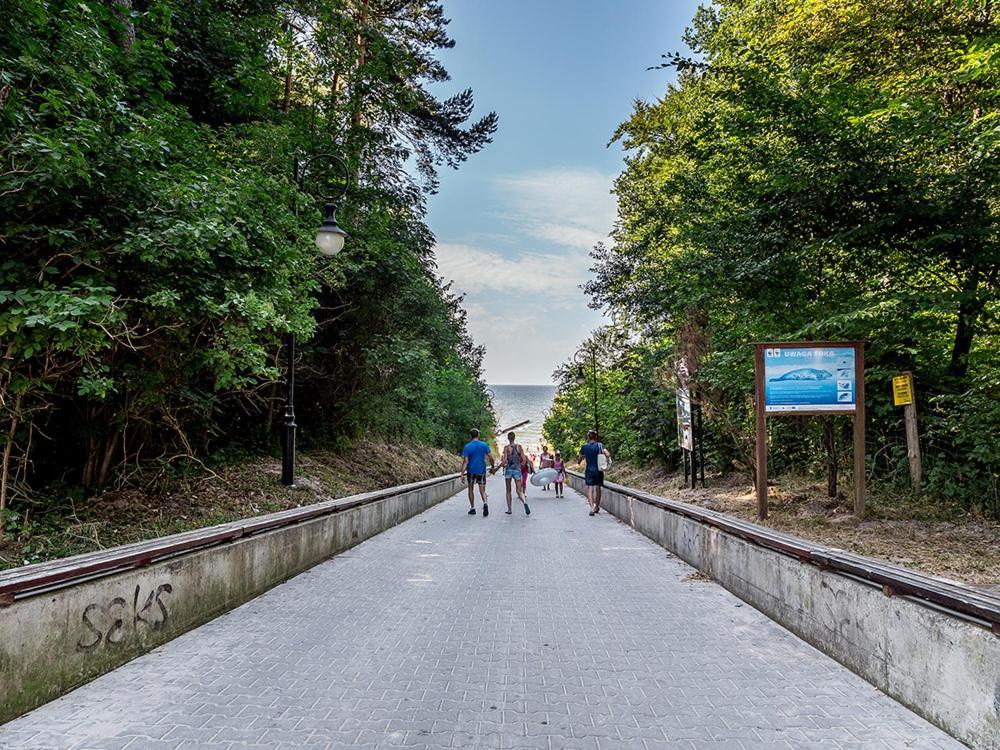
(112, 622)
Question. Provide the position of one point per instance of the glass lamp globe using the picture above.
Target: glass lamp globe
(330, 237)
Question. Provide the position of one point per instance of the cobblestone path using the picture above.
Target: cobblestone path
(555, 630)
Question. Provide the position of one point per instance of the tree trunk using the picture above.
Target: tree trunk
(123, 12)
(287, 99)
(969, 310)
(362, 44)
(829, 439)
(94, 444)
(90, 465)
(5, 468)
(356, 97)
(110, 448)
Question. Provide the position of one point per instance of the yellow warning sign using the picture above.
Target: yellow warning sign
(902, 389)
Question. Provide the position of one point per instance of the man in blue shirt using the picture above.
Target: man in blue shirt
(474, 456)
(593, 477)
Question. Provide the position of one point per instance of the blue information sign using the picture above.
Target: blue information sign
(809, 379)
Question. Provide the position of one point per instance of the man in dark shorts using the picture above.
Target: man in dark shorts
(593, 477)
(474, 456)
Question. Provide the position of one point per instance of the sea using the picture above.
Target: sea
(516, 403)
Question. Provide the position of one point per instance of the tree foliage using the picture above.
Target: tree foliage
(156, 245)
(824, 170)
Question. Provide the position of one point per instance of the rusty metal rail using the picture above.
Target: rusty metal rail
(33, 579)
(894, 580)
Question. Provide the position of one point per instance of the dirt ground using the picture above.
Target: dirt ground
(915, 533)
(59, 525)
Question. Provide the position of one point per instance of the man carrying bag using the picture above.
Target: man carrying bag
(598, 461)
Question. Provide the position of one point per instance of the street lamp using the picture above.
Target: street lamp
(581, 378)
(329, 241)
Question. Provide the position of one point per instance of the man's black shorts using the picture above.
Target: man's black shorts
(476, 478)
(593, 478)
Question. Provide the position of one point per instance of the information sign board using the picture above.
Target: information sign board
(684, 432)
(902, 390)
(810, 379)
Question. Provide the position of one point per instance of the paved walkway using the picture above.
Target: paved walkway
(556, 630)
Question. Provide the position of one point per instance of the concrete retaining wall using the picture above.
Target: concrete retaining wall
(52, 642)
(943, 667)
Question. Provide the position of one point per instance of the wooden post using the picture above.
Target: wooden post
(761, 476)
(694, 443)
(829, 439)
(859, 431)
(701, 445)
(913, 437)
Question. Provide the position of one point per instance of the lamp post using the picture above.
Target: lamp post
(578, 360)
(329, 241)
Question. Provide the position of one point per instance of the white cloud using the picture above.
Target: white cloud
(475, 270)
(526, 347)
(566, 210)
(526, 305)
(570, 235)
(475, 311)
(563, 197)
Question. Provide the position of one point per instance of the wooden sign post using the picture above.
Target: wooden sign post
(760, 483)
(903, 395)
(817, 378)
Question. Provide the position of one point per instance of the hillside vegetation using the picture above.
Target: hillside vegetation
(155, 504)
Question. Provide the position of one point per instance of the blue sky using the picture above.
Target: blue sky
(515, 224)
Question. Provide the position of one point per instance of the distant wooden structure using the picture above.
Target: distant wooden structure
(505, 430)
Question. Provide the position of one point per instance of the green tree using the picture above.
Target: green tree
(822, 170)
(155, 246)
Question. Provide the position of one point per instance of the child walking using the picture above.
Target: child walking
(560, 466)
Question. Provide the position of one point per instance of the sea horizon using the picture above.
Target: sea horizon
(517, 402)
(529, 385)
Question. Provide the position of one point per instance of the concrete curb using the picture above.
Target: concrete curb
(940, 665)
(52, 641)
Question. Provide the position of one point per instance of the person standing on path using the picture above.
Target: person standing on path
(547, 461)
(593, 477)
(560, 466)
(474, 456)
(512, 460)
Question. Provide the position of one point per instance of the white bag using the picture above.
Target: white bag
(603, 462)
